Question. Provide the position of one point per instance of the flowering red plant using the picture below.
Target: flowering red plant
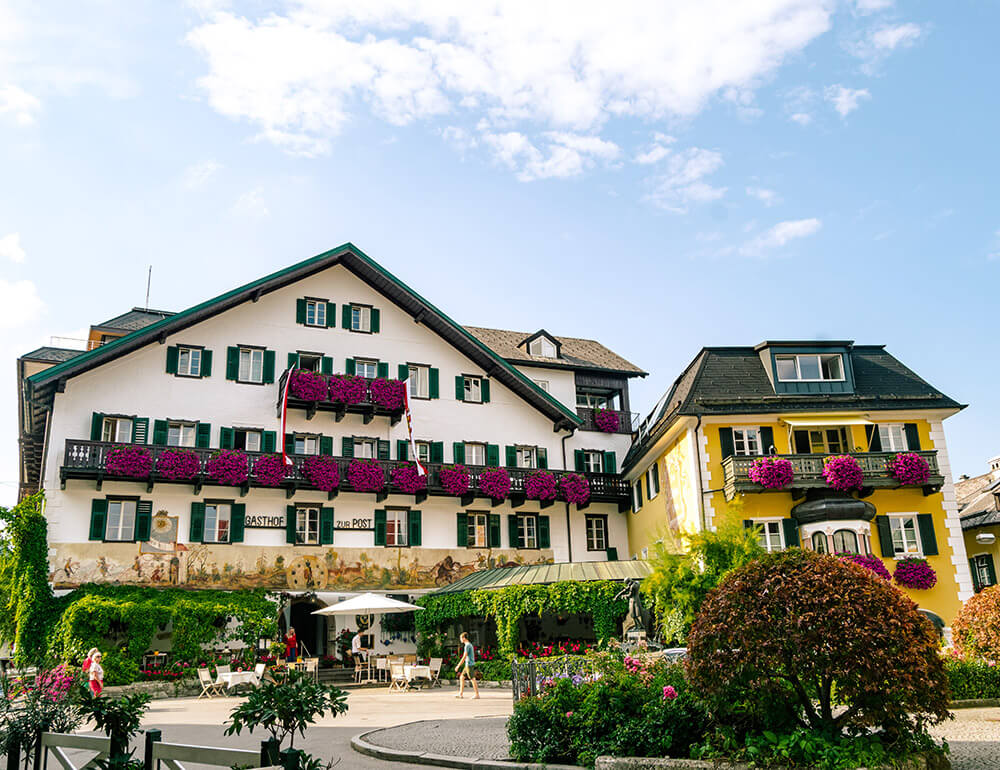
(387, 393)
(229, 467)
(322, 472)
(606, 420)
(454, 479)
(909, 468)
(128, 460)
(771, 472)
(914, 572)
(874, 563)
(843, 473)
(495, 483)
(270, 470)
(178, 464)
(406, 479)
(540, 485)
(365, 476)
(307, 385)
(348, 389)
(575, 488)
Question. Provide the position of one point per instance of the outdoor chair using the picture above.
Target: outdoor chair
(208, 687)
(435, 667)
(381, 669)
(258, 674)
(219, 671)
(312, 667)
(360, 668)
(397, 678)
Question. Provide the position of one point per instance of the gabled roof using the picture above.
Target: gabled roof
(51, 355)
(136, 318)
(977, 501)
(43, 384)
(543, 574)
(575, 353)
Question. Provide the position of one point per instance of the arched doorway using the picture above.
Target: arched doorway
(310, 629)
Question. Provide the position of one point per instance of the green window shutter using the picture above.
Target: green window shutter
(206, 363)
(656, 478)
(291, 518)
(493, 532)
(349, 367)
(511, 456)
(232, 363)
(383, 450)
(376, 321)
(766, 439)
(434, 383)
(976, 585)
(197, 533)
(578, 460)
(612, 554)
(610, 462)
(414, 526)
(331, 315)
(140, 430)
(437, 452)
(458, 453)
(172, 353)
(326, 365)
(345, 316)
(293, 360)
(462, 529)
(912, 436)
(513, 533)
(544, 539)
(748, 524)
(542, 455)
(885, 536)
(380, 526)
(928, 540)
(485, 390)
(402, 371)
(289, 443)
(98, 518)
(96, 426)
(203, 435)
(459, 387)
(269, 441)
(326, 445)
(492, 454)
(237, 522)
(402, 449)
(725, 442)
(874, 439)
(160, 432)
(300, 311)
(227, 438)
(268, 366)
(382, 369)
(991, 572)
(791, 528)
(347, 446)
(326, 526)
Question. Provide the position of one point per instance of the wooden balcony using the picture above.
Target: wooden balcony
(808, 471)
(589, 414)
(86, 460)
(368, 409)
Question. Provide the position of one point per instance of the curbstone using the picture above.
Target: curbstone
(975, 703)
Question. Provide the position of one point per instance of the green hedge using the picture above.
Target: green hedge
(972, 679)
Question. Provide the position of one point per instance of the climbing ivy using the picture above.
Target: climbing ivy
(506, 606)
(25, 574)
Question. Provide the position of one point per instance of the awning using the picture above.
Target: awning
(368, 604)
(541, 574)
(820, 422)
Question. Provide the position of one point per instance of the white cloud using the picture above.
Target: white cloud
(889, 38)
(459, 138)
(10, 248)
(198, 174)
(779, 235)
(845, 100)
(765, 196)
(865, 7)
(658, 150)
(19, 104)
(683, 183)
(20, 302)
(567, 154)
(251, 204)
(877, 43)
(299, 75)
(802, 118)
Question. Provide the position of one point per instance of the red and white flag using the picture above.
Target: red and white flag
(284, 415)
(409, 427)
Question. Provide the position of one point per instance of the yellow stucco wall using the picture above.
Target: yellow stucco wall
(973, 549)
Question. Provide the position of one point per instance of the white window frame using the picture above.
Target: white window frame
(318, 308)
(593, 543)
(593, 461)
(819, 363)
(365, 448)
(819, 537)
(361, 318)
(892, 436)
(897, 523)
(651, 473)
(746, 441)
(305, 444)
(307, 525)
(636, 495)
(542, 347)
(542, 384)
(251, 368)
(184, 430)
(256, 435)
(527, 530)
(188, 361)
(396, 535)
(471, 446)
(527, 456)
(218, 522)
(113, 430)
(857, 541)
(423, 451)
(473, 389)
(420, 376)
(315, 361)
(477, 524)
(124, 517)
(979, 562)
(365, 363)
(767, 534)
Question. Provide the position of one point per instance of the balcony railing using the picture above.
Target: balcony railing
(808, 473)
(87, 459)
(589, 416)
(367, 408)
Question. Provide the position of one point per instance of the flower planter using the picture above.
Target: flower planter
(455, 480)
(133, 461)
(407, 479)
(270, 470)
(914, 572)
(307, 385)
(606, 420)
(495, 483)
(388, 394)
(541, 485)
(909, 469)
(873, 563)
(178, 464)
(228, 467)
(366, 476)
(322, 472)
(843, 473)
(772, 472)
(575, 488)
(347, 389)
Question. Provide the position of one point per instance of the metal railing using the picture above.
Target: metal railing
(530, 677)
(626, 420)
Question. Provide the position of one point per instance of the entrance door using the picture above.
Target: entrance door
(310, 629)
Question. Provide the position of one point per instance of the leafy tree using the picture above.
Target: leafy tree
(837, 647)
(25, 573)
(976, 630)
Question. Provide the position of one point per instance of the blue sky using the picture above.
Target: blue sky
(657, 175)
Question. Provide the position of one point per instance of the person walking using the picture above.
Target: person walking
(95, 673)
(85, 667)
(467, 667)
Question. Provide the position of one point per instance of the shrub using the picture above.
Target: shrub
(976, 630)
(494, 670)
(914, 572)
(119, 669)
(119, 718)
(972, 679)
(797, 630)
(47, 705)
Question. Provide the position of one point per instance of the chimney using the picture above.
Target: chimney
(995, 468)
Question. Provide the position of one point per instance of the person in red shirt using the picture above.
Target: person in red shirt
(291, 645)
(88, 660)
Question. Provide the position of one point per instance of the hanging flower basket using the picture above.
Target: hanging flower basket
(772, 472)
(407, 479)
(178, 464)
(843, 473)
(228, 467)
(270, 470)
(133, 461)
(540, 485)
(607, 420)
(909, 468)
(348, 389)
(307, 385)
(495, 483)
(914, 572)
(387, 393)
(874, 563)
(322, 472)
(365, 476)
(575, 488)
(454, 479)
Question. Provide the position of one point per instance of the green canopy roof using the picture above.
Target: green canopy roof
(540, 574)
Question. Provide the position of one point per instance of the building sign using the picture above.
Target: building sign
(265, 521)
(358, 525)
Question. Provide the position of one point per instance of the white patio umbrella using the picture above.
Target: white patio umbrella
(368, 604)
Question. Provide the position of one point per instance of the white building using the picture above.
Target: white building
(212, 377)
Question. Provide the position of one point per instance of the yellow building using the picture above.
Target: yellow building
(804, 402)
(979, 507)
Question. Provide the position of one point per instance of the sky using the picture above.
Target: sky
(659, 176)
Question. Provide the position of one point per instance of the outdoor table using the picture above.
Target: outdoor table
(234, 678)
(416, 672)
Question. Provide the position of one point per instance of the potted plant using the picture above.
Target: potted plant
(322, 472)
(348, 389)
(495, 483)
(606, 420)
(454, 479)
(366, 476)
(270, 470)
(874, 563)
(228, 467)
(540, 485)
(307, 385)
(129, 460)
(388, 394)
(407, 479)
(914, 572)
(771, 472)
(178, 464)
(909, 468)
(575, 488)
(843, 473)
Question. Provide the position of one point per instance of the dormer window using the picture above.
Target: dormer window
(810, 367)
(542, 346)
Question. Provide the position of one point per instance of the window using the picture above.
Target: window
(525, 457)
(419, 381)
(770, 535)
(249, 440)
(810, 368)
(593, 462)
(306, 445)
(543, 384)
(312, 362)
(893, 438)
(527, 531)
(423, 451)
(216, 523)
(904, 535)
(366, 368)
(984, 572)
(819, 542)
(845, 541)
(473, 390)
(361, 318)
(365, 448)
(597, 533)
(395, 526)
(121, 520)
(188, 362)
(251, 365)
(307, 525)
(653, 481)
(542, 346)
(117, 429)
(181, 434)
(478, 530)
(636, 495)
(597, 399)
(475, 454)
(315, 312)
(746, 441)
(821, 441)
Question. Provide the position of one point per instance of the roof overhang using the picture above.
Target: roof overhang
(825, 420)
